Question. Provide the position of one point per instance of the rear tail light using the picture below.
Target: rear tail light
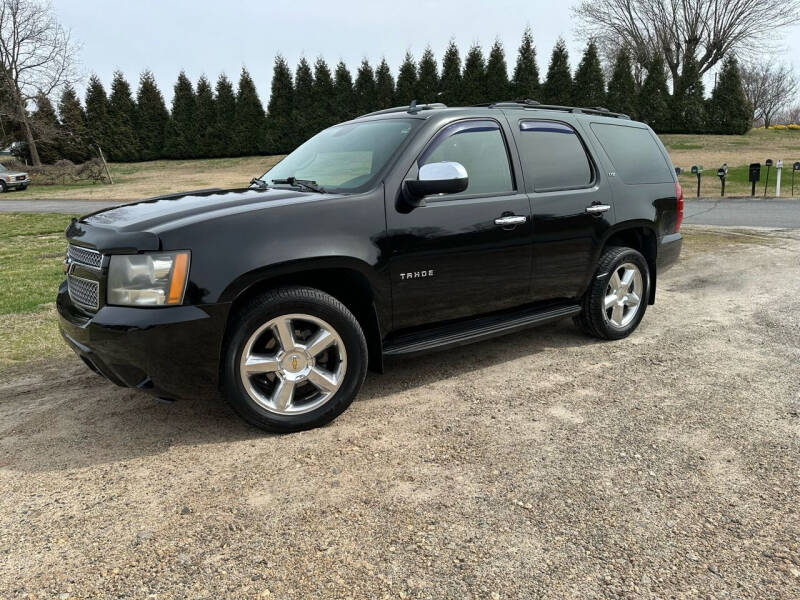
(679, 201)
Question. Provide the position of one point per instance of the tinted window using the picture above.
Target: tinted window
(479, 146)
(347, 157)
(553, 155)
(635, 154)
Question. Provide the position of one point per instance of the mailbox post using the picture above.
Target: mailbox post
(722, 173)
(795, 169)
(778, 170)
(755, 176)
(768, 164)
(698, 170)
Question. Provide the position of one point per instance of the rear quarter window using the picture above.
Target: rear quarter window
(634, 152)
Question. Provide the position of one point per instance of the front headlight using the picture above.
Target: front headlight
(155, 279)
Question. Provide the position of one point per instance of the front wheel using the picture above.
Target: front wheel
(295, 359)
(3, 187)
(616, 300)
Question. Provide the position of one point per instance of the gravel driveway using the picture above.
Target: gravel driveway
(543, 464)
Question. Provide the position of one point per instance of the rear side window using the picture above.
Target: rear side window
(635, 154)
(553, 155)
(479, 146)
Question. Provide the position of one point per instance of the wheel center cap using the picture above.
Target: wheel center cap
(294, 362)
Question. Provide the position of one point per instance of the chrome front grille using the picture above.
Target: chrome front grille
(84, 292)
(84, 272)
(85, 256)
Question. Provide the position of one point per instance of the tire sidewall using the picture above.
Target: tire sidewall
(253, 318)
(628, 256)
(3, 187)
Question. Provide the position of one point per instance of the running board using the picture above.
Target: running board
(459, 334)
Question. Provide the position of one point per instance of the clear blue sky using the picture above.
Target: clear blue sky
(222, 36)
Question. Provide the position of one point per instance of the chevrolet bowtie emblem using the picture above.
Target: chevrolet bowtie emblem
(294, 362)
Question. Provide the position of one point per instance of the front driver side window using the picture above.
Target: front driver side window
(479, 146)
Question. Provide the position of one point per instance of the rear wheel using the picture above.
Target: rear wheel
(616, 300)
(295, 360)
(3, 186)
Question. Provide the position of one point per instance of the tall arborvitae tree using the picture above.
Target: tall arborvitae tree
(497, 86)
(428, 80)
(473, 80)
(621, 95)
(152, 117)
(653, 100)
(407, 80)
(589, 87)
(364, 88)
(384, 86)
(729, 112)
(450, 82)
(557, 88)
(46, 129)
(280, 130)
(525, 83)
(206, 118)
(97, 122)
(180, 140)
(344, 98)
(688, 107)
(324, 102)
(123, 140)
(250, 117)
(224, 139)
(303, 102)
(73, 142)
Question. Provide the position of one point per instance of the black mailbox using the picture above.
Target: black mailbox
(755, 176)
(722, 173)
(768, 162)
(796, 166)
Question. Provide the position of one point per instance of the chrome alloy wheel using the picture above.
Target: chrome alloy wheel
(293, 364)
(623, 295)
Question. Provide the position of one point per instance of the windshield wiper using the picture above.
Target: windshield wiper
(262, 185)
(309, 185)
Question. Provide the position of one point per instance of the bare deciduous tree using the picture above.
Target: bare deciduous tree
(704, 29)
(37, 56)
(770, 88)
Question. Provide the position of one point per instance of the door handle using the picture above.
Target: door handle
(510, 220)
(597, 209)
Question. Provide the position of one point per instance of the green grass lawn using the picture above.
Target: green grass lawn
(32, 248)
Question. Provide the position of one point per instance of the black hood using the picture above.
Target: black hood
(136, 226)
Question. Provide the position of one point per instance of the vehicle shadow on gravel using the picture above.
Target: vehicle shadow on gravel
(65, 417)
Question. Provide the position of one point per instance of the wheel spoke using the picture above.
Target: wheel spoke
(616, 314)
(284, 334)
(324, 339)
(283, 395)
(326, 382)
(614, 283)
(260, 363)
(633, 300)
(609, 301)
(627, 279)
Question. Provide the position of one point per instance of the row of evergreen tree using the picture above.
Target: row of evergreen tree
(214, 121)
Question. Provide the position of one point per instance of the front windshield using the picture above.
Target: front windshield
(3, 167)
(345, 158)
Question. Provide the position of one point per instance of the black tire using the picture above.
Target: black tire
(288, 301)
(594, 318)
(23, 187)
(3, 187)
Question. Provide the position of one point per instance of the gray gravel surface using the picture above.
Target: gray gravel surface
(539, 465)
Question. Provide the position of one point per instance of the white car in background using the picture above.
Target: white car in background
(12, 179)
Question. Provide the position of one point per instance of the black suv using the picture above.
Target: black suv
(399, 232)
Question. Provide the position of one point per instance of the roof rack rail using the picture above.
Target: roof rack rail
(411, 109)
(533, 104)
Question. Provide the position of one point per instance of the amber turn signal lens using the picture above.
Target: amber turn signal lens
(180, 271)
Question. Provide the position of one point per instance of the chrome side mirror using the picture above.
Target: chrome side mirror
(435, 178)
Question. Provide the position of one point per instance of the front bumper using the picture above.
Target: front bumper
(172, 352)
(18, 184)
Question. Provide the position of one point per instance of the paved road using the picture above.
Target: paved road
(728, 211)
(743, 212)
